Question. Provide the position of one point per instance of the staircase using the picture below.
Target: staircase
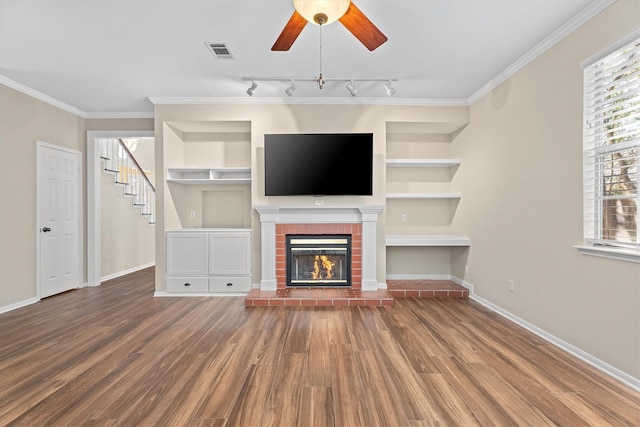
(118, 160)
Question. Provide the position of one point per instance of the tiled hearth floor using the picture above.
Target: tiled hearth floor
(351, 297)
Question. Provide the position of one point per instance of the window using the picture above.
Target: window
(612, 150)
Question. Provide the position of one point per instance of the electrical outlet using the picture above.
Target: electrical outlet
(193, 214)
(403, 218)
(510, 286)
(466, 270)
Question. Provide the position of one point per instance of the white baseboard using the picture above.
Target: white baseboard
(18, 304)
(124, 273)
(419, 277)
(463, 283)
(574, 351)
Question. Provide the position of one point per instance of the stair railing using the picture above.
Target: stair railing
(119, 160)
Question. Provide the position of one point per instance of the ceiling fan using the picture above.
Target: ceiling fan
(322, 12)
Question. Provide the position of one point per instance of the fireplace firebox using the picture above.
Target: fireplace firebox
(318, 260)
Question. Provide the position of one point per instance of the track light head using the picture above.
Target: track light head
(352, 90)
(289, 91)
(252, 89)
(390, 91)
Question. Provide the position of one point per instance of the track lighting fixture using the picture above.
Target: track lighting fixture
(252, 89)
(289, 91)
(390, 91)
(352, 90)
(320, 81)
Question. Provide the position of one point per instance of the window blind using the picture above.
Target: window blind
(612, 149)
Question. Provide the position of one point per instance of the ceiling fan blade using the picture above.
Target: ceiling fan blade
(359, 25)
(290, 32)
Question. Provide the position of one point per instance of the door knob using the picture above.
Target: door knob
(46, 229)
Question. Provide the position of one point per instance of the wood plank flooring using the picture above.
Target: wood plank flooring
(116, 356)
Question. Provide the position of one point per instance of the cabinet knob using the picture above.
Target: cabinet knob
(229, 284)
(187, 284)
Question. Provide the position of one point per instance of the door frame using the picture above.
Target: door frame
(94, 197)
(39, 146)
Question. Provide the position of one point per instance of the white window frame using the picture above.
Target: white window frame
(594, 244)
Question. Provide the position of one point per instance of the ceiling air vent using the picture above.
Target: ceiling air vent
(220, 50)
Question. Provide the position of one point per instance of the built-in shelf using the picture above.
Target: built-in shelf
(423, 163)
(427, 240)
(209, 175)
(423, 195)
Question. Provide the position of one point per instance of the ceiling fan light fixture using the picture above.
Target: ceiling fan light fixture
(321, 12)
(252, 89)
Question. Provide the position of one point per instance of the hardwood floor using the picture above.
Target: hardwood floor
(116, 356)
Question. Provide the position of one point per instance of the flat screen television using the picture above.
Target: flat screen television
(320, 164)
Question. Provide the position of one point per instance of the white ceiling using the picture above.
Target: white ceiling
(106, 57)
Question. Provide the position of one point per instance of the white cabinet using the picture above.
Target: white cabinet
(208, 261)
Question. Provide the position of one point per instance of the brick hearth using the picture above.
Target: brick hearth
(312, 297)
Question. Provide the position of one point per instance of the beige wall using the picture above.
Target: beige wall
(127, 239)
(119, 124)
(521, 180)
(23, 121)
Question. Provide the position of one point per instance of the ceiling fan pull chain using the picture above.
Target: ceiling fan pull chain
(320, 79)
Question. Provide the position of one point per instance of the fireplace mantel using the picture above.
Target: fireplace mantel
(367, 215)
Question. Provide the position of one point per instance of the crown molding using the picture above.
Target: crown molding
(40, 96)
(134, 115)
(569, 27)
(68, 108)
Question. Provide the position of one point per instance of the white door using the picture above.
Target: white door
(59, 219)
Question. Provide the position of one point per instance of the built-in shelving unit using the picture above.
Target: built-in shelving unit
(208, 169)
(421, 199)
(209, 175)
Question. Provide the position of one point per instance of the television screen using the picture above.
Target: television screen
(318, 164)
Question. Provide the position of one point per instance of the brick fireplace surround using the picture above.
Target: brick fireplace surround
(360, 221)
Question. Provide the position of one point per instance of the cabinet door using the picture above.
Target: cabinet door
(187, 254)
(229, 253)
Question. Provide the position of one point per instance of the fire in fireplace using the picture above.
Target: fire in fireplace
(318, 260)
